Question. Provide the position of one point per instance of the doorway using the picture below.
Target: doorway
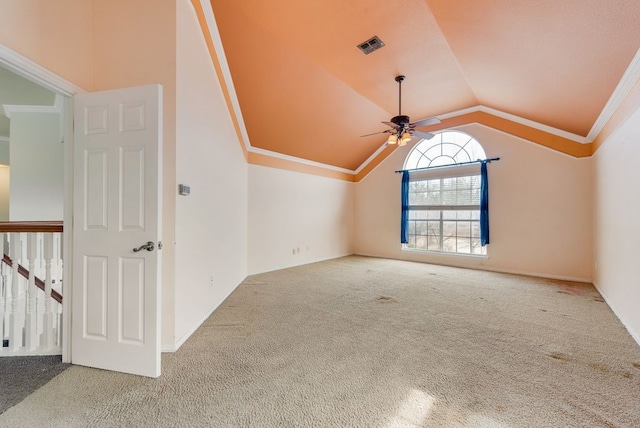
(33, 100)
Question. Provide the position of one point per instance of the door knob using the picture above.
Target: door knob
(149, 246)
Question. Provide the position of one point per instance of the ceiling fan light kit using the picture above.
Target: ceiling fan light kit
(402, 128)
(406, 136)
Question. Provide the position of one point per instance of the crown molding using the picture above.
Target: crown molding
(221, 60)
(301, 161)
(517, 119)
(627, 82)
(56, 108)
(371, 158)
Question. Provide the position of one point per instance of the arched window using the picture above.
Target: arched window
(448, 147)
(444, 203)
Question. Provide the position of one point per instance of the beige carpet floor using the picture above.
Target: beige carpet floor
(365, 342)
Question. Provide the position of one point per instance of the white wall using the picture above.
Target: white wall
(37, 167)
(540, 210)
(291, 211)
(211, 223)
(4, 179)
(616, 223)
(4, 192)
(4, 151)
(55, 34)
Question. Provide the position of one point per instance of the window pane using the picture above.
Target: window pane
(464, 215)
(464, 245)
(433, 185)
(449, 184)
(449, 228)
(464, 229)
(433, 214)
(449, 215)
(433, 243)
(449, 245)
(413, 158)
(463, 197)
(451, 150)
(463, 183)
(433, 152)
(475, 229)
(418, 215)
(434, 228)
(434, 198)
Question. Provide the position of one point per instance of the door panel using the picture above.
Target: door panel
(117, 207)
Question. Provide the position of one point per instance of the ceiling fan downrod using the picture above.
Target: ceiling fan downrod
(399, 79)
(400, 120)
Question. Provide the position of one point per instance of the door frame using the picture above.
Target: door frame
(28, 69)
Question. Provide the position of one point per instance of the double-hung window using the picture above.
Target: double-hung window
(444, 202)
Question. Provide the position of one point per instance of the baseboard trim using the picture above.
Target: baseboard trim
(306, 262)
(174, 347)
(484, 268)
(634, 334)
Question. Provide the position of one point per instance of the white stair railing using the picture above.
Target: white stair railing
(30, 307)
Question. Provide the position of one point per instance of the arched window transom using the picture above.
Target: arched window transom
(446, 148)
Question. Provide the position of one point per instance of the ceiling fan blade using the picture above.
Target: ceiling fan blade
(388, 131)
(426, 122)
(391, 124)
(425, 135)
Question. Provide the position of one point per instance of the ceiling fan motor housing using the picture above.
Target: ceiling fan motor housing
(400, 120)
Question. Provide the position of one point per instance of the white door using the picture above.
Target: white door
(116, 208)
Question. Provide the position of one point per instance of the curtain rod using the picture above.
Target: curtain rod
(453, 164)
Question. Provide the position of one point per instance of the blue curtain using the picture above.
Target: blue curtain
(484, 205)
(404, 218)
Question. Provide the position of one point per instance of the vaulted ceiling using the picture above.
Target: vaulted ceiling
(305, 90)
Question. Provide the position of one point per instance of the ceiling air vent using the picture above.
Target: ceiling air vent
(373, 44)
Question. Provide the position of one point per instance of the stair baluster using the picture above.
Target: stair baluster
(16, 316)
(31, 321)
(48, 338)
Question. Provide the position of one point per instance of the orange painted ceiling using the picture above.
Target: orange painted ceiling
(305, 90)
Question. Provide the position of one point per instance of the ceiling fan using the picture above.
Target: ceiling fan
(402, 129)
